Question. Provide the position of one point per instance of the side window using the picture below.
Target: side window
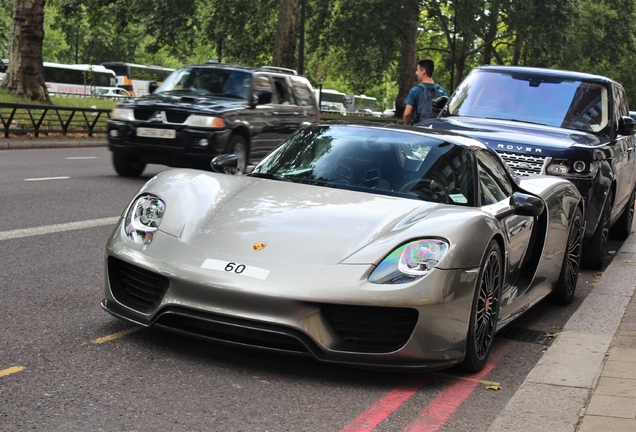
(494, 185)
(262, 83)
(302, 91)
(281, 95)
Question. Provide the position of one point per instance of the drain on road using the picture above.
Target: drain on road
(525, 335)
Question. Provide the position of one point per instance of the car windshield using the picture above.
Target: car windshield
(208, 81)
(532, 98)
(375, 160)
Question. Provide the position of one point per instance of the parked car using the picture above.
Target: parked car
(389, 112)
(380, 246)
(569, 124)
(205, 110)
(110, 93)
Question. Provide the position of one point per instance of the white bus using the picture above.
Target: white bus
(76, 79)
(333, 100)
(135, 77)
(359, 103)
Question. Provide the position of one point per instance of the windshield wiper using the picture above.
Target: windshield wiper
(268, 176)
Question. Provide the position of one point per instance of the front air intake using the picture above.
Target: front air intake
(137, 288)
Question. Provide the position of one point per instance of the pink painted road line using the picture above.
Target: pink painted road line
(381, 409)
(441, 409)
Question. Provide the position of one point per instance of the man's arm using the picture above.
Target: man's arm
(408, 112)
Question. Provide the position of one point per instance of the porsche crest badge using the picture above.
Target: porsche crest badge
(259, 246)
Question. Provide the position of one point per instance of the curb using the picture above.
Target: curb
(555, 394)
(38, 143)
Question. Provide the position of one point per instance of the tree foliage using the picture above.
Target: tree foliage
(362, 47)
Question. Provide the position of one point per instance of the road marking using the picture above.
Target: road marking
(46, 178)
(81, 157)
(108, 338)
(50, 229)
(11, 370)
(438, 411)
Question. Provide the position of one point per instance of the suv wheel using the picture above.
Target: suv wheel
(128, 166)
(594, 252)
(238, 147)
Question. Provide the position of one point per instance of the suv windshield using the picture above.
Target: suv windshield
(209, 81)
(532, 98)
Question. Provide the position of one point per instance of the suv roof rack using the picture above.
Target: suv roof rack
(279, 69)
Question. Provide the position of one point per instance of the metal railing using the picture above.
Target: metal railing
(32, 119)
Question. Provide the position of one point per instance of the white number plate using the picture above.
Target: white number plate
(156, 133)
(235, 268)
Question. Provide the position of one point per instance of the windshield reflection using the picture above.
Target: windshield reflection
(532, 98)
(374, 160)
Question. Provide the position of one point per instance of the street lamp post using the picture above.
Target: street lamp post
(301, 49)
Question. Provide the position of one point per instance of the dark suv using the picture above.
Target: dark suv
(205, 110)
(568, 124)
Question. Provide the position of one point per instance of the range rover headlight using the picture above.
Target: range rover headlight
(571, 169)
(143, 218)
(409, 262)
(125, 114)
(206, 121)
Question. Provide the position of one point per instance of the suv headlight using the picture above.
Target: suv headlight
(125, 114)
(571, 169)
(409, 262)
(206, 121)
(143, 218)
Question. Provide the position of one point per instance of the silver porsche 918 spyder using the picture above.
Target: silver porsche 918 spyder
(374, 246)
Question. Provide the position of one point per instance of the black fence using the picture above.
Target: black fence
(36, 120)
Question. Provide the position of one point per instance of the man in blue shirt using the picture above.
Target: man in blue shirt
(424, 72)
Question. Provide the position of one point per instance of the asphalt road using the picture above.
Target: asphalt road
(65, 365)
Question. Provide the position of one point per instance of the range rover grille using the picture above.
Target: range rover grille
(522, 164)
(135, 287)
(381, 329)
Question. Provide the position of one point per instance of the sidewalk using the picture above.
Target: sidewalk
(586, 381)
(32, 143)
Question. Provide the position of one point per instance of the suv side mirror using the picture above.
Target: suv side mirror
(626, 126)
(152, 86)
(263, 98)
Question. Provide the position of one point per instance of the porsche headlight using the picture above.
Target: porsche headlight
(206, 121)
(409, 262)
(125, 114)
(143, 218)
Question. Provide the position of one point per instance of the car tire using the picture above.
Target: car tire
(623, 226)
(484, 310)
(593, 255)
(238, 146)
(128, 166)
(564, 291)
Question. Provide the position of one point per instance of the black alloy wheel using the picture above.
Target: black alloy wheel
(485, 310)
(564, 291)
(594, 252)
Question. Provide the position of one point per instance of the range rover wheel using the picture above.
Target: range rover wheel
(595, 249)
(238, 147)
(564, 292)
(623, 226)
(485, 311)
(128, 166)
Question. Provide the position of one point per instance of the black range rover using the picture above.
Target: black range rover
(561, 123)
(205, 110)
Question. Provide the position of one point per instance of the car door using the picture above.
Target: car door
(264, 119)
(495, 189)
(306, 105)
(285, 106)
(623, 153)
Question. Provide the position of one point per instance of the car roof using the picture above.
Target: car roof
(548, 72)
(249, 69)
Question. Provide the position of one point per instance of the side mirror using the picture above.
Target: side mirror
(523, 205)
(626, 126)
(264, 98)
(224, 163)
(152, 86)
